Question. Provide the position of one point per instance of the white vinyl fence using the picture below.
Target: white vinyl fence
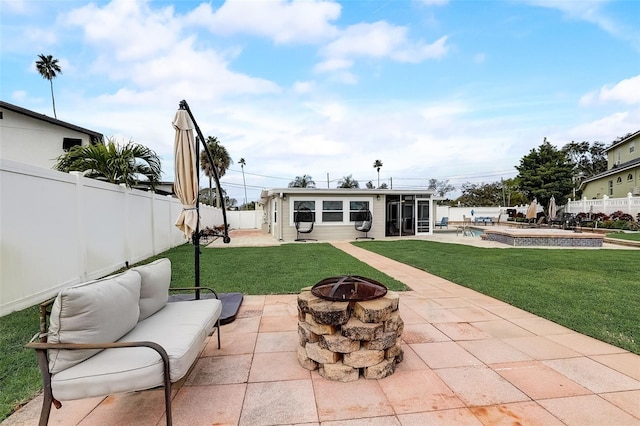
(606, 205)
(58, 229)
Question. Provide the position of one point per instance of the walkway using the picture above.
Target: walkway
(468, 360)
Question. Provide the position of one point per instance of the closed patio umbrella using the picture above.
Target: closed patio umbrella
(553, 209)
(532, 211)
(186, 173)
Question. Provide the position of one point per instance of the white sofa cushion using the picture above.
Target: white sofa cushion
(99, 311)
(180, 328)
(154, 287)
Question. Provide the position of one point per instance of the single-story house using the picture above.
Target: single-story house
(335, 212)
(623, 171)
(32, 138)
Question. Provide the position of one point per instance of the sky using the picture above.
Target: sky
(435, 89)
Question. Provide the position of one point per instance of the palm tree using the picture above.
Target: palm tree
(378, 165)
(48, 67)
(221, 162)
(129, 164)
(348, 182)
(243, 163)
(304, 181)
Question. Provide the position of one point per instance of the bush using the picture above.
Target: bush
(619, 215)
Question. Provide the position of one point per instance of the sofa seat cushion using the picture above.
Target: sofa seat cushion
(180, 328)
(154, 286)
(99, 311)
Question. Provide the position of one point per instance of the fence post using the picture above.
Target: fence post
(82, 237)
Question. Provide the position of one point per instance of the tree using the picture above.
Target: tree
(484, 194)
(304, 181)
(129, 164)
(49, 69)
(378, 165)
(348, 182)
(544, 173)
(243, 163)
(588, 160)
(369, 185)
(440, 187)
(221, 161)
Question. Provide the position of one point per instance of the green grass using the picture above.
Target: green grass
(625, 236)
(258, 270)
(595, 292)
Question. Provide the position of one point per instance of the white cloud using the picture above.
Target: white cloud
(283, 21)
(626, 91)
(333, 64)
(303, 87)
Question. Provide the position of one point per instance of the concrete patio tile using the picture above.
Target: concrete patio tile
(220, 370)
(277, 403)
(539, 347)
(587, 410)
(249, 311)
(410, 360)
(408, 315)
(278, 323)
(417, 391)
(502, 329)
(253, 300)
(480, 386)
(453, 302)
(274, 366)
(626, 363)
(456, 416)
(422, 333)
(369, 421)
(435, 294)
(594, 376)
(139, 408)
(517, 413)
(461, 331)
(241, 325)
(509, 312)
(485, 301)
(628, 401)
(444, 355)
(421, 304)
(71, 412)
(351, 400)
(584, 344)
(277, 341)
(437, 314)
(491, 351)
(279, 309)
(473, 313)
(278, 299)
(538, 380)
(231, 344)
(540, 326)
(203, 405)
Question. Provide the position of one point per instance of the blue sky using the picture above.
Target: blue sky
(457, 90)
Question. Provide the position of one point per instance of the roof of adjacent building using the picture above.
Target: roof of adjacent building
(95, 136)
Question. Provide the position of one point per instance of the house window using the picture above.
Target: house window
(630, 177)
(310, 204)
(331, 211)
(632, 147)
(355, 207)
(68, 143)
(619, 179)
(610, 187)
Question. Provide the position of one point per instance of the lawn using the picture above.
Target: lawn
(595, 292)
(635, 236)
(259, 270)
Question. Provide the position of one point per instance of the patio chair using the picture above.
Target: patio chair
(304, 223)
(363, 223)
(443, 222)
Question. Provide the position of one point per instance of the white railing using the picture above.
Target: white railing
(58, 229)
(606, 205)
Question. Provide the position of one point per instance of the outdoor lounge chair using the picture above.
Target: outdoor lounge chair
(304, 223)
(443, 222)
(363, 223)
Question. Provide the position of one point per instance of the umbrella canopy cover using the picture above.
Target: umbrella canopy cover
(532, 211)
(553, 209)
(186, 172)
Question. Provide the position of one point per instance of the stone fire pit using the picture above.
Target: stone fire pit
(348, 339)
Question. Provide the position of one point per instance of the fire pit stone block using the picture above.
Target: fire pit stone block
(306, 335)
(381, 370)
(338, 343)
(363, 358)
(373, 311)
(304, 360)
(385, 341)
(321, 355)
(318, 328)
(339, 372)
(329, 313)
(358, 330)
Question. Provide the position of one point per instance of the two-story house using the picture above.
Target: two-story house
(37, 139)
(623, 171)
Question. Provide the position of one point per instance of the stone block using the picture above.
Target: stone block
(394, 323)
(339, 343)
(317, 328)
(381, 370)
(395, 352)
(358, 330)
(304, 360)
(328, 312)
(339, 372)
(305, 334)
(394, 298)
(304, 298)
(321, 355)
(363, 358)
(373, 311)
(385, 341)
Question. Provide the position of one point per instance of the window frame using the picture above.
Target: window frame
(319, 208)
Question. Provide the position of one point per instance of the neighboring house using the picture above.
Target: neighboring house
(396, 213)
(36, 139)
(623, 171)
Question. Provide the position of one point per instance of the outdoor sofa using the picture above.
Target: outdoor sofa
(120, 334)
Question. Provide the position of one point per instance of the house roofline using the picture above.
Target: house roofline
(615, 170)
(334, 191)
(96, 137)
(623, 140)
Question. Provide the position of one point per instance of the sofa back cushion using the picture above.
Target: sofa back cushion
(99, 311)
(154, 287)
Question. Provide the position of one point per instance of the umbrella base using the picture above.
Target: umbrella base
(230, 303)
